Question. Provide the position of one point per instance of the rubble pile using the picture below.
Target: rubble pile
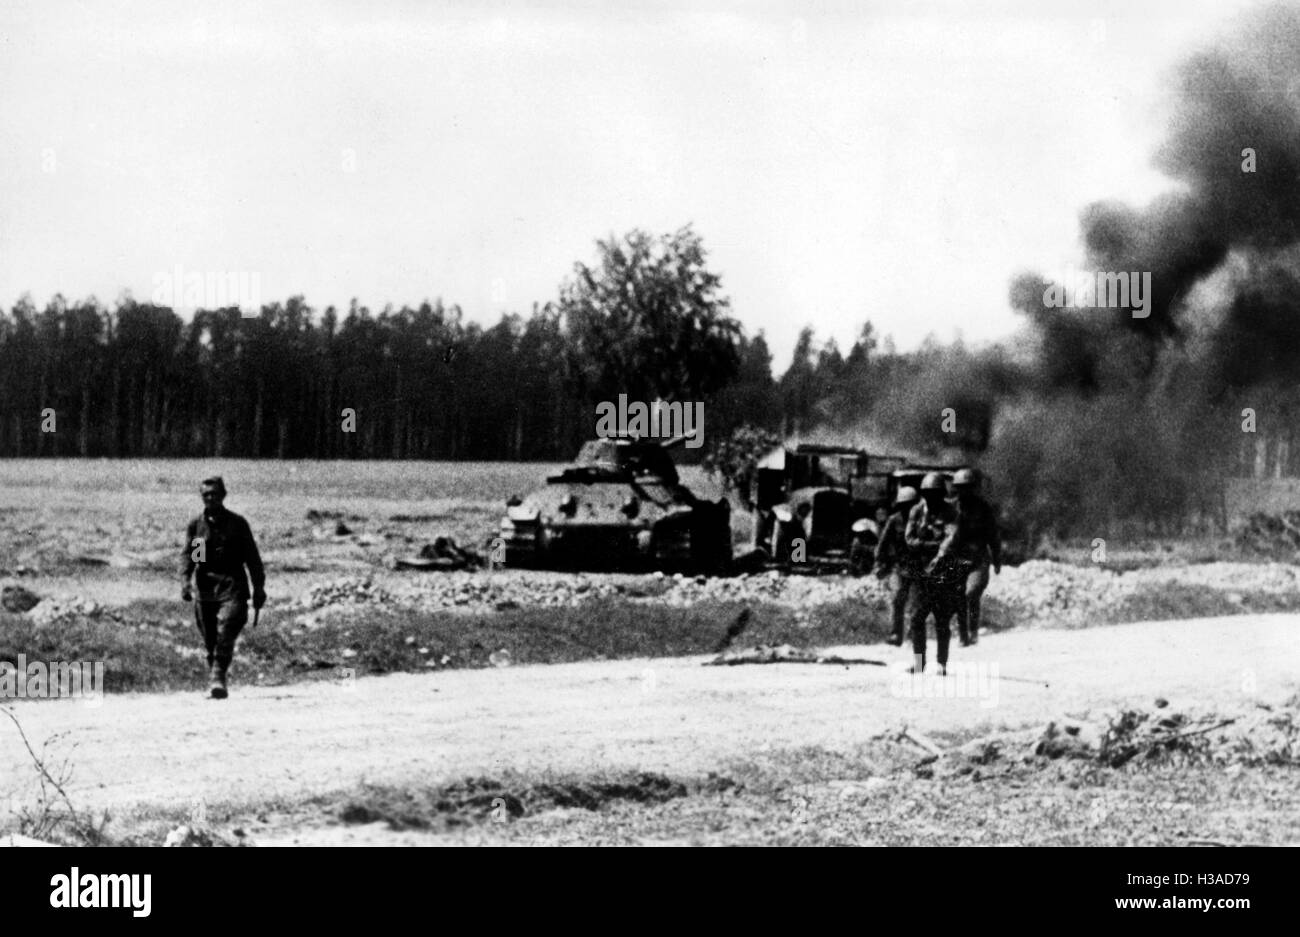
(345, 592)
(772, 586)
(1037, 593)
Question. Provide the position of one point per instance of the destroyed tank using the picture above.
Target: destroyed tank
(619, 506)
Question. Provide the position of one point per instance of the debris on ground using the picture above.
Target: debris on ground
(734, 630)
(201, 836)
(1271, 534)
(18, 600)
(315, 515)
(784, 654)
(443, 554)
(476, 799)
(1130, 738)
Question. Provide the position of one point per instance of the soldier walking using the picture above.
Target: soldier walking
(218, 546)
(894, 560)
(975, 543)
(929, 525)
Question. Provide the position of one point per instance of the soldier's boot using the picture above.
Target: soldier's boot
(918, 664)
(897, 620)
(217, 682)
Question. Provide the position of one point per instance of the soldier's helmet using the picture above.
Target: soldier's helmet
(966, 478)
(933, 482)
(906, 495)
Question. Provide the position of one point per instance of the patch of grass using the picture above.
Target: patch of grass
(478, 800)
(867, 795)
(154, 646)
(387, 641)
(141, 656)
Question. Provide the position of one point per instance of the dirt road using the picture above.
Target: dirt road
(663, 715)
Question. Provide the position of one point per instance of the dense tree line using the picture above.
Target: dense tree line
(646, 319)
(138, 380)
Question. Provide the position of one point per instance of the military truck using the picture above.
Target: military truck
(834, 499)
(619, 506)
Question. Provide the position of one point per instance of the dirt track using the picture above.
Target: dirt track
(663, 715)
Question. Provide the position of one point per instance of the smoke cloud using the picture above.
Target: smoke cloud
(1138, 419)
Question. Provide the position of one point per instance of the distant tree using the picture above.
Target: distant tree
(799, 385)
(647, 320)
(752, 398)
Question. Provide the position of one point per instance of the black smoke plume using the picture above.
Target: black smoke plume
(1130, 420)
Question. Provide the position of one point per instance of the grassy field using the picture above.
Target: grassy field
(59, 516)
(53, 511)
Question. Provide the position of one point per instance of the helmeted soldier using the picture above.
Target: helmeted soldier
(895, 561)
(218, 546)
(975, 542)
(929, 524)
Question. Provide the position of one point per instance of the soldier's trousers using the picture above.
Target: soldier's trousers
(220, 624)
(939, 598)
(901, 588)
(968, 612)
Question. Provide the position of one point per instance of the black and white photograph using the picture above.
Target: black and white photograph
(548, 423)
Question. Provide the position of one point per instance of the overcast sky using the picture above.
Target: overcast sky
(890, 161)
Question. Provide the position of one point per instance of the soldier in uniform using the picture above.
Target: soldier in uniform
(894, 560)
(975, 543)
(218, 547)
(929, 525)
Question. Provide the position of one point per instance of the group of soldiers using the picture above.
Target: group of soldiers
(937, 551)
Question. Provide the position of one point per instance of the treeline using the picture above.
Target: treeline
(138, 380)
(647, 319)
(77, 379)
